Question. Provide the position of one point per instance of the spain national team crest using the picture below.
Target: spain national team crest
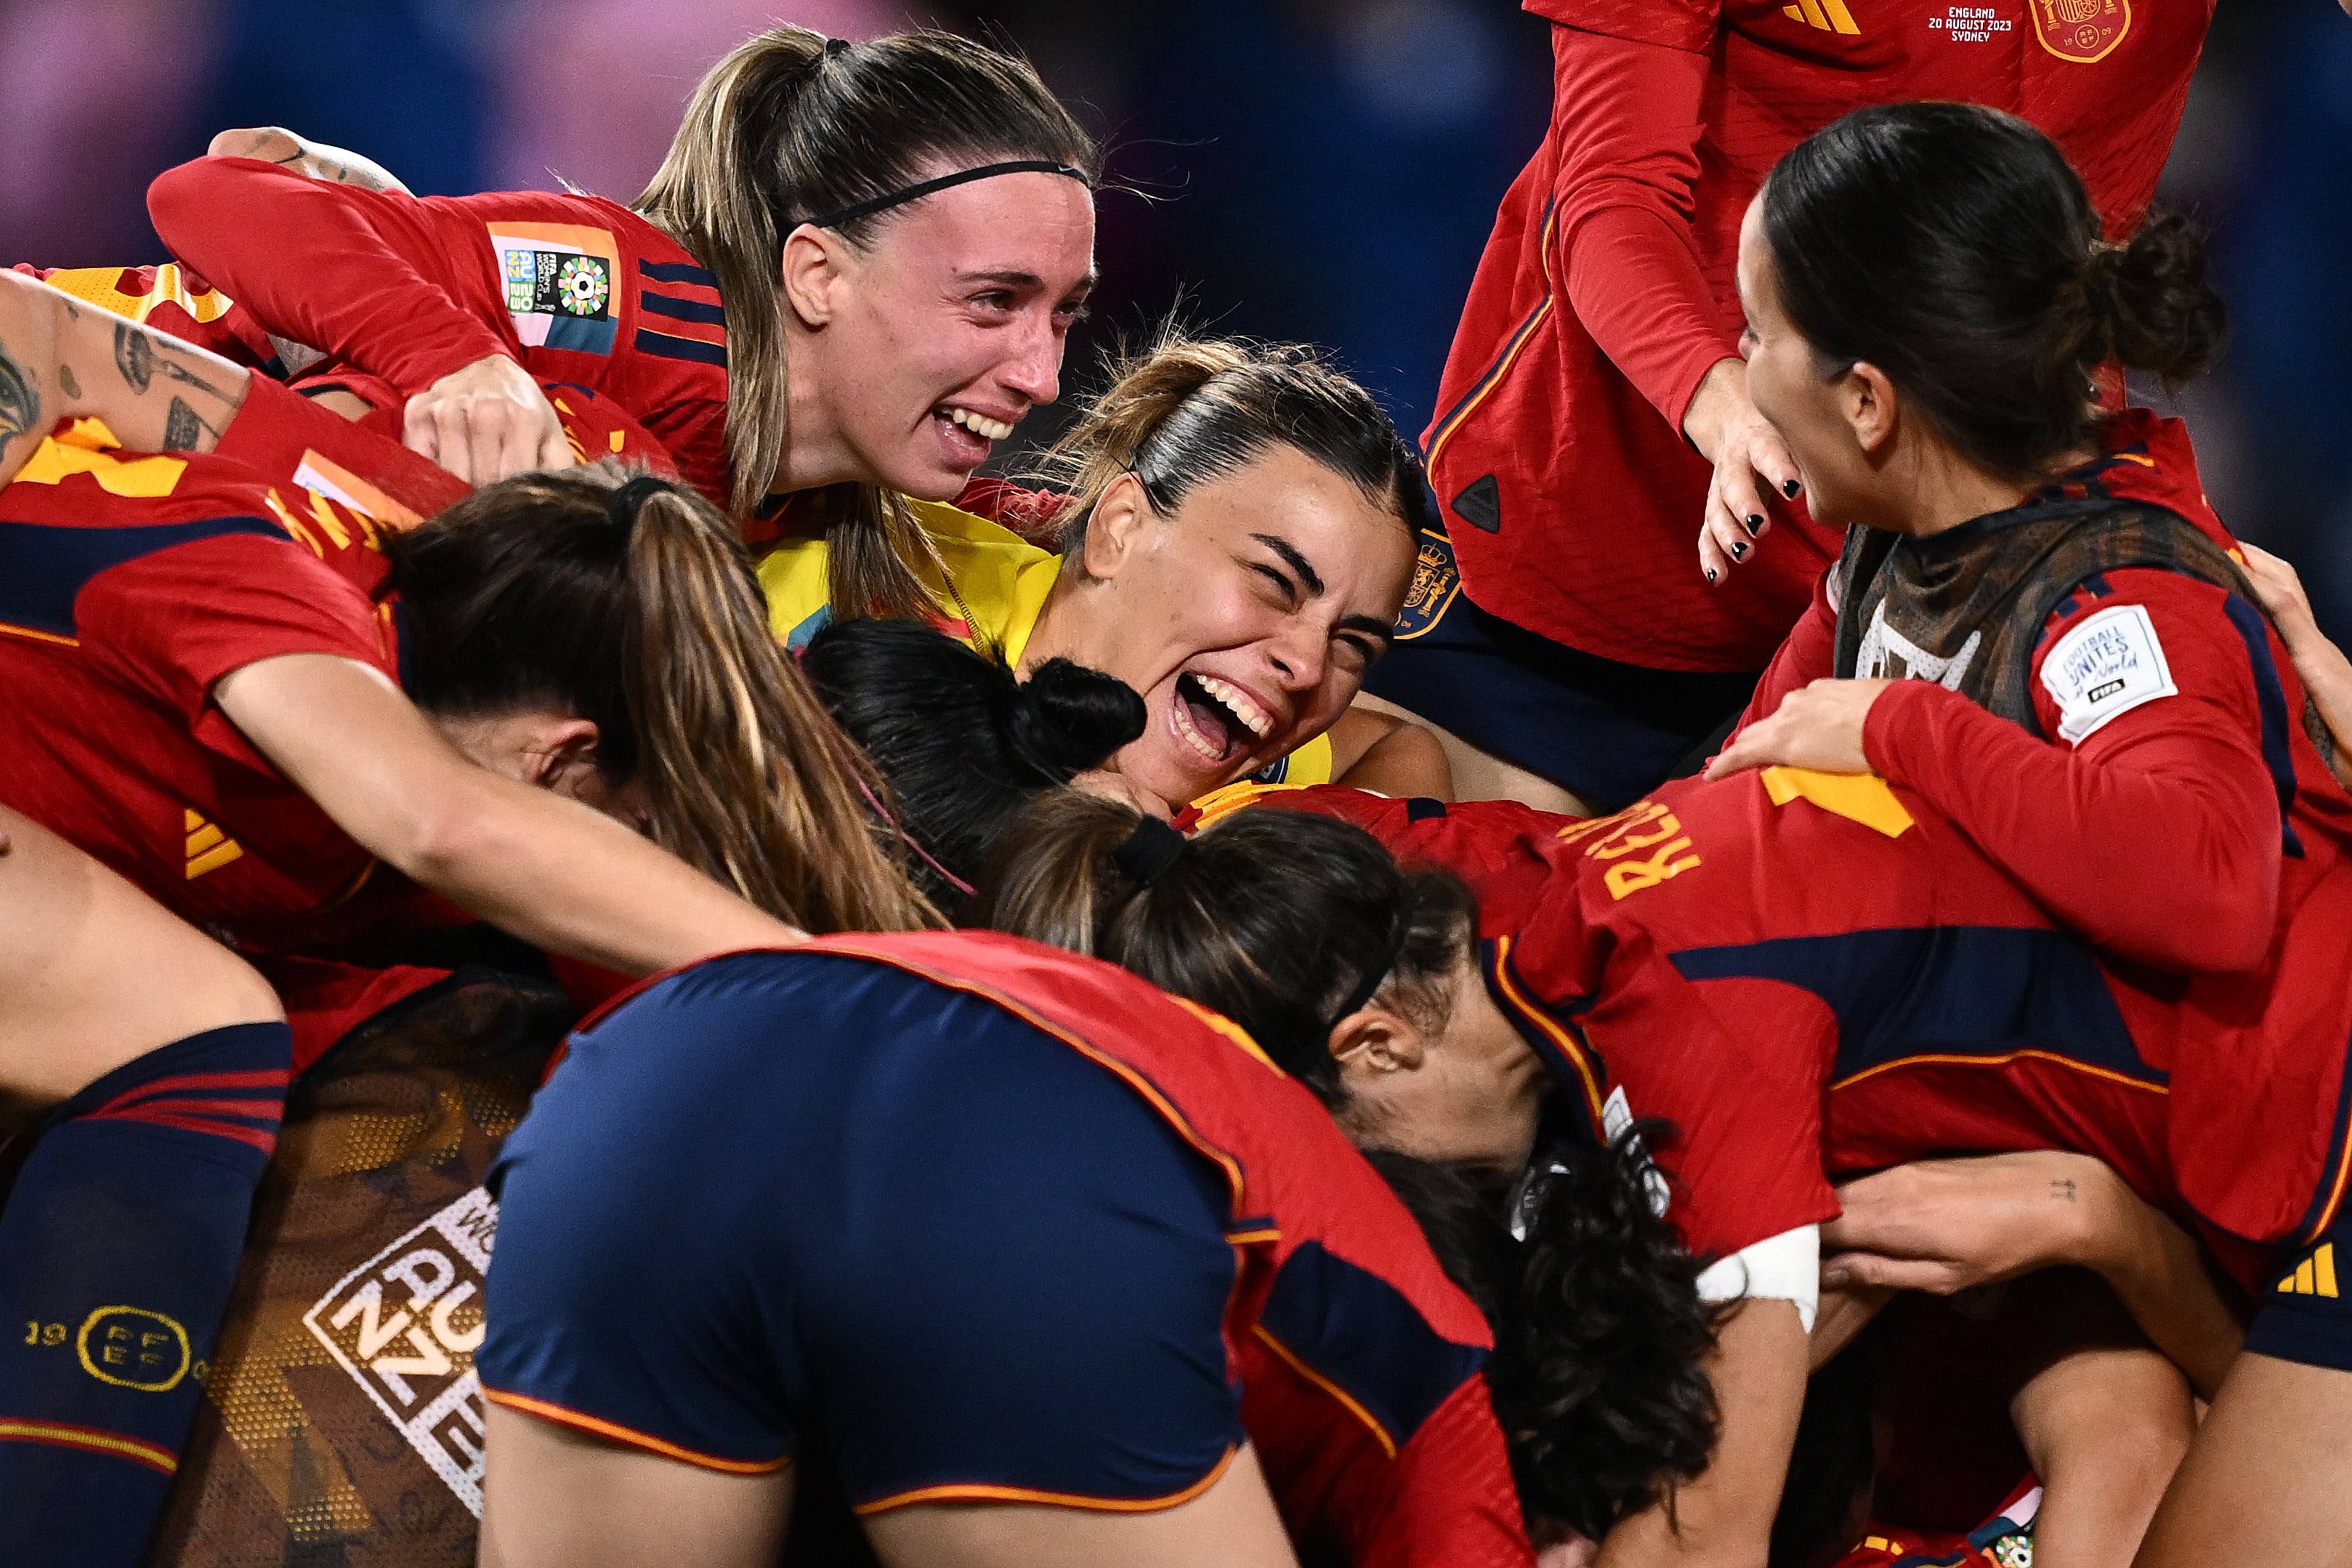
(1436, 581)
(2082, 31)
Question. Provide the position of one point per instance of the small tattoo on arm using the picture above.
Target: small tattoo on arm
(20, 405)
(66, 379)
(134, 355)
(2063, 1190)
(184, 428)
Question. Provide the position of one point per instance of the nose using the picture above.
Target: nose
(1034, 373)
(1298, 653)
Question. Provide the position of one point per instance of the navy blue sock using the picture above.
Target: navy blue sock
(118, 1247)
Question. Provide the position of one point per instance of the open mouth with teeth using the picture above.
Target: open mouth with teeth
(1217, 719)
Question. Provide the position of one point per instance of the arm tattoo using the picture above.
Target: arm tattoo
(134, 355)
(66, 379)
(136, 358)
(2063, 1191)
(20, 405)
(184, 428)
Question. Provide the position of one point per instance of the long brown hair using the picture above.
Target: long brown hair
(786, 127)
(647, 619)
(1182, 411)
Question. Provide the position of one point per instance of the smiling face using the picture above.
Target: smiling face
(908, 360)
(1245, 619)
(1834, 426)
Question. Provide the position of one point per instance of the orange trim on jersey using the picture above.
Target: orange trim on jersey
(1565, 1038)
(1244, 1238)
(2001, 1061)
(1388, 1444)
(27, 632)
(1501, 368)
(2335, 1193)
(974, 1491)
(89, 1439)
(631, 1437)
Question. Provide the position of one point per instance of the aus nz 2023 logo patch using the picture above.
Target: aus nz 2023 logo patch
(407, 1323)
(559, 281)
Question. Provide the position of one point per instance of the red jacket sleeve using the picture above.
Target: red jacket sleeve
(2165, 806)
(367, 275)
(1625, 123)
(1808, 653)
(1449, 1498)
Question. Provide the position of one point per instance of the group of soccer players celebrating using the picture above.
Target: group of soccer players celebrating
(1831, 1049)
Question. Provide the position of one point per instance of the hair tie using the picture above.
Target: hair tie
(835, 48)
(905, 193)
(1148, 852)
(623, 505)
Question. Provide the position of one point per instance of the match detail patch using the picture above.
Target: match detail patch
(407, 1323)
(2107, 666)
(559, 283)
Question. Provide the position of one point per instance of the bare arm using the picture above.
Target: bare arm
(2105, 1419)
(1388, 756)
(1724, 1519)
(548, 869)
(311, 160)
(1942, 1226)
(2326, 673)
(62, 360)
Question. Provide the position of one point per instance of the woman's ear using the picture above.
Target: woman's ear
(1116, 527)
(811, 274)
(1373, 1043)
(561, 755)
(1866, 398)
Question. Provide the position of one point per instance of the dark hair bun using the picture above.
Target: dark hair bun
(1066, 718)
(2159, 312)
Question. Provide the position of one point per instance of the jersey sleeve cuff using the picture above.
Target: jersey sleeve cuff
(630, 1438)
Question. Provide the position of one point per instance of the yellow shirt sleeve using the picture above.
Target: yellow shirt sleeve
(991, 595)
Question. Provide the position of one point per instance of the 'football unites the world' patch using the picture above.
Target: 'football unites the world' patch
(559, 281)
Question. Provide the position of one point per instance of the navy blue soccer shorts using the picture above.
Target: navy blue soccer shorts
(1608, 732)
(790, 1199)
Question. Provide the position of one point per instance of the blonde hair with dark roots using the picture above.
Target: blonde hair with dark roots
(532, 592)
(1184, 410)
(783, 130)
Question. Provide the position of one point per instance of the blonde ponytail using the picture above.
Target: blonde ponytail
(790, 126)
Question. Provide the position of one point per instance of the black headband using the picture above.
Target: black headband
(623, 505)
(900, 197)
(1370, 986)
(1148, 852)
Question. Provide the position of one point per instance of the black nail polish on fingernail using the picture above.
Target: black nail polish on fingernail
(1710, 574)
(1755, 524)
(1739, 551)
(1789, 489)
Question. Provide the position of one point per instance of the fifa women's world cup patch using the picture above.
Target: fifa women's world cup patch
(2106, 666)
(559, 283)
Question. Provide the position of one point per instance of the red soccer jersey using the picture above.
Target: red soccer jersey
(2194, 780)
(1813, 974)
(578, 289)
(128, 586)
(1606, 290)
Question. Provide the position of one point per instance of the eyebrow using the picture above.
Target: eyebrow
(1014, 278)
(1295, 560)
(1370, 626)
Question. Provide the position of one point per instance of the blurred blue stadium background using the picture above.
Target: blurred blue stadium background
(1322, 169)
